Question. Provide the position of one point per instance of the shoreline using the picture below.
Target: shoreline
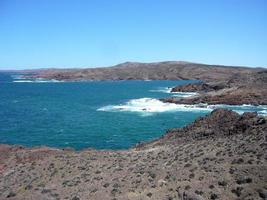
(173, 70)
(71, 149)
(215, 156)
(246, 89)
(219, 156)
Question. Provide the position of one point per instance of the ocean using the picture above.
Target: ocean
(92, 114)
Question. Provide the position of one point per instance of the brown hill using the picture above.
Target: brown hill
(171, 70)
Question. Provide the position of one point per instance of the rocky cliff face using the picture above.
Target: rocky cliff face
(220, 156)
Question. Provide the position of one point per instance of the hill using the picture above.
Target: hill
(172, 70)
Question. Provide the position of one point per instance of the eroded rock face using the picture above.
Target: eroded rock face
(219, 156)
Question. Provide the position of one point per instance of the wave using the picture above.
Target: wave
(176, 94)
(36, 81)
(184, 94)
(148, 106)
(162, 89)
(22, 81)
(263, 112)
(17, 76)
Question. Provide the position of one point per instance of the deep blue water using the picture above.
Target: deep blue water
(100, 114)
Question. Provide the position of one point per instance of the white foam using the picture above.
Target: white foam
(23, 81)
(184, 94)
(263, 112)
(149, 105)
(162, 89)
(37, 81)
(18, 76)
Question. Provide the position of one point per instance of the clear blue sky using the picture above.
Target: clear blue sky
(91, 33)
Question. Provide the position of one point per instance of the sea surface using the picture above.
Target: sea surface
(97, 114)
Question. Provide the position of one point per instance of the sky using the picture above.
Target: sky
(97, 33)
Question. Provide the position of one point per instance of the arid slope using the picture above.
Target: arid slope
(221, 156)
(173, 70)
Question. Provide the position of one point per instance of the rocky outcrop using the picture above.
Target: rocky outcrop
(220, 123)
(233, 96)
(199, 87)
(249, 88)
(219, 156)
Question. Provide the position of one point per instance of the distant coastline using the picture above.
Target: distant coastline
(169, 70)
(220, 84)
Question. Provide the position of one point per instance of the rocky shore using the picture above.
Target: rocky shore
(220, 84)
(220, 156)
(250, 88)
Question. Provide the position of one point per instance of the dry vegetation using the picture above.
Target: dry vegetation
(221, 156)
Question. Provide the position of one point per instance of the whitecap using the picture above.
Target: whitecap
(162, 90)
(17, 76)
(23, 81)
(263, 112)
(150, 105)
(184, 94)
(37, 81)
(41, 80)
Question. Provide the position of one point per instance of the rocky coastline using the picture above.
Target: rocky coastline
(243, 89)
(220, 156)
(169, 70)
(220, 84)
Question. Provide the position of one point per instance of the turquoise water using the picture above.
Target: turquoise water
(100, 114)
